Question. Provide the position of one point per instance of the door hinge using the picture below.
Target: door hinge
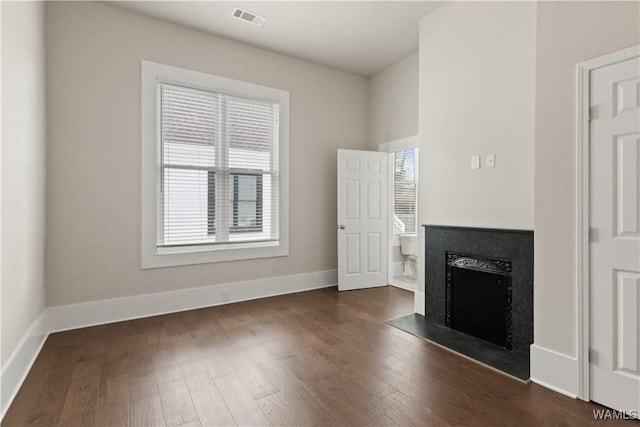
(589, 114)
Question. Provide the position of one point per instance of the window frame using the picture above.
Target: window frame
(154, 256)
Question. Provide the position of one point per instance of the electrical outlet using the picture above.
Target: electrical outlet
(225, 296)
(490, 160)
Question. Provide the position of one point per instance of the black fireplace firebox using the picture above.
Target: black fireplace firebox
(479, 297)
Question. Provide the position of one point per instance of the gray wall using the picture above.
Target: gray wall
(22, 171)
(477, 76)
(567, 33)
(93, 209)
(393, 102)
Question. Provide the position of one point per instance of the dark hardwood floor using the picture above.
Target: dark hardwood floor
(318, 358)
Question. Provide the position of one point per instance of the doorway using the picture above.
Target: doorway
(402, 212)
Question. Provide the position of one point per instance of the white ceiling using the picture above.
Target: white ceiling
(362, 37)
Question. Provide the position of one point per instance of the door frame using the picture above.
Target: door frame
(583, 98)
(391, 147)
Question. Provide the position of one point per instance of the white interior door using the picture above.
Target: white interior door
(615, 243)
(362, 219)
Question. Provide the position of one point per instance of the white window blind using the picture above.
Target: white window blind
(405, 191)
(218, 177)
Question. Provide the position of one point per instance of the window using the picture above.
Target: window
(219, 167)
(405, 192)
(214, 159)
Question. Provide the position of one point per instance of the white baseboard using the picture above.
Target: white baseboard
(74, 316)
(19, 363)
(401, 285)
(555, 371)
(418, 303)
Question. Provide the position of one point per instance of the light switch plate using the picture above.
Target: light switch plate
(490, 160)
(475, 162)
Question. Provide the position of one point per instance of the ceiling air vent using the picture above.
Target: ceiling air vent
(246, 16)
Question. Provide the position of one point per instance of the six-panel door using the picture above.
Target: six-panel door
(362, 219)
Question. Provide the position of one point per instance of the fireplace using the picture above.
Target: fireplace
(479, 297)
(478, 294)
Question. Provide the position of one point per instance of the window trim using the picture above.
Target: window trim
(154, 256)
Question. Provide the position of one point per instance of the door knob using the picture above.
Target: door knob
(341, 227)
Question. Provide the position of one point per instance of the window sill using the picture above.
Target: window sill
(190, 255)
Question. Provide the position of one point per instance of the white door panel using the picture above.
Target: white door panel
(362, 219)
(627, 179)
(615, 246)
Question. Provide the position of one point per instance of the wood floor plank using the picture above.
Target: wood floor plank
(243, 407)
(185, 348)
(82, 395)
(112, 408)
(207, 400)
(143, 387)
(177, 406)
(114, 389)
(293, 404)
(256, 383)
(415, 412)
(293, 408)
(147, 411)
(349, 408)
(112, 414)
(366, 380)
